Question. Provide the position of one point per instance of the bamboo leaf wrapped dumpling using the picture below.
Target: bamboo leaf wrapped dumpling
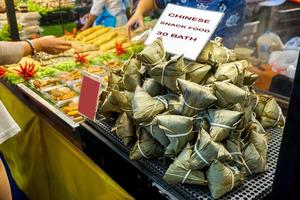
(144, 106)
(235, 146)
(210, 79)
(178, 173)
(229, 94)
(259, 138)
(178, 129)
(250, 78)
(233, 71)
(152, 87)
(206, 151)
(196, 72)
(131, 77)
(255, 161)
(175, 103)
(124, 100)
(166, 73)
(260, 141)
(153, 54)
(114, 81)
(222, 122)
(145, 146)
(125, 129)
(200, 121)
(214, 53)
(156, 132)
(246, 120)
(110, 104)
(222, 178)
(268, 112)
(196, 97)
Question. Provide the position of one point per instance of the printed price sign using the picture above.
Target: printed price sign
(89, 96)
(185, 30)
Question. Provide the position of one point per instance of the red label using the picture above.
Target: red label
(89, 95)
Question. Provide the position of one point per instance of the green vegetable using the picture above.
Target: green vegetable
(66, 66)
(34, 7)
(12, 78)
(99, 60)
(46, 72)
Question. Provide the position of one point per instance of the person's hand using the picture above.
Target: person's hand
(84, 21)
(85, 26)
(85, 17)
(51, 45)
(136, 19)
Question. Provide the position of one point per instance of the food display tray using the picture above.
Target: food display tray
(48, 105)
(255, 187)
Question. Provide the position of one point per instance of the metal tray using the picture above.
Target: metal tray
(256, 187)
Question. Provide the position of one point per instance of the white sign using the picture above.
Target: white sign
(185, 30)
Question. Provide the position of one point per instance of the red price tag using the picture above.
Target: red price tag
(89, 96)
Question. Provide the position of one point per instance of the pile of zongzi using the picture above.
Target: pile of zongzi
(203, 115)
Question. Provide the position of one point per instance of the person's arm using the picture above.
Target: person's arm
(12, 52)
(144, 7)
(5, 191)
(89, 23)
(95, 11)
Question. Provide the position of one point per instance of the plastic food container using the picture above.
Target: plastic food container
(76, 85)
(66, 77)
(40, 84)
(59, 95)
(71, 110)
(284, 62)
(250, 28)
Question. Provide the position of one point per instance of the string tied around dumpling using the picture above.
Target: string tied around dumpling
(246, 166)
(200, 156)
(151, 127)
(186, 176)
(214, 124)
(232, 175)
(124, 84)
(232, 178)
(279, 116)
(154, 107)
(239, 153)
(163, 100)
(222, 126)
(256, 102)
(227, 51)
(192, 107)
(126, 110)
(139, 148)
(243, 160)
(162, 75)
(247, 97)
(156, 63)
(218, 41)
(236, 67)
(200, 117)
(189, 64)
(175, 135)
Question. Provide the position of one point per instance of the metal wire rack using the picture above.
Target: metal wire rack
(256, 187)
